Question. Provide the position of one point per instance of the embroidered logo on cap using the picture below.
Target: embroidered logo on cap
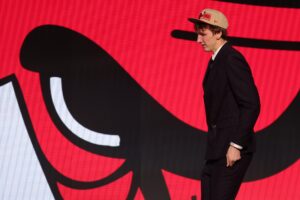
(205, 16)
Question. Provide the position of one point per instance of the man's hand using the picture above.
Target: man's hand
(233, 154)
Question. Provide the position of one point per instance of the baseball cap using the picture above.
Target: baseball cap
(212, 17)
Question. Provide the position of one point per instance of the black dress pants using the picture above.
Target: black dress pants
(219, 182)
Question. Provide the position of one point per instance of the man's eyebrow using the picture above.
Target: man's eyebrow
(244, 42)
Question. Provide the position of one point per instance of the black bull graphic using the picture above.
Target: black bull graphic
(102, 96)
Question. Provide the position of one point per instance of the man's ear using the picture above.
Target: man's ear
(219, 35)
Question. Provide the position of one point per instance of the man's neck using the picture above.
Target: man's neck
(219, 44)
(218, 49)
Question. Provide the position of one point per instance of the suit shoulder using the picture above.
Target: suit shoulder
(233, 52)
(232, 55)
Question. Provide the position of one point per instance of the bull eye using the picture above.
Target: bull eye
(102, 139)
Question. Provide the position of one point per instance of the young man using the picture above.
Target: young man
(232, 106)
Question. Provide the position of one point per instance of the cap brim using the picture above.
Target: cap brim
(198, 21)
(195, 20)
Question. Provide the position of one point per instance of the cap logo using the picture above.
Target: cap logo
(206, 16)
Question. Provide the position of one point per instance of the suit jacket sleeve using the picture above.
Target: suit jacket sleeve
(245, 93)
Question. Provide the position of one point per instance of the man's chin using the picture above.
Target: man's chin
(206, 49)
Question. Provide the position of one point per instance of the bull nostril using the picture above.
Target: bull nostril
(75, 127)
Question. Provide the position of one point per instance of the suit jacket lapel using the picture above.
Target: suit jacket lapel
(214, 64)
(209, 66)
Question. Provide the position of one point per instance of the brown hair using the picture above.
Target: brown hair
(212, 28)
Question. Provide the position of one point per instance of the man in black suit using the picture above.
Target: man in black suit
(232, 106)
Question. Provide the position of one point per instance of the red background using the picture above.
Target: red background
(138, 35)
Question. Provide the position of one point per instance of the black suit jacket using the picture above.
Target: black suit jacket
(231, 103)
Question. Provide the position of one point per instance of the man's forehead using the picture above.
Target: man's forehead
(201, 26)
(201, 29)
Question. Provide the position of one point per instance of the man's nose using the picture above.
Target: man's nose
(199, 38)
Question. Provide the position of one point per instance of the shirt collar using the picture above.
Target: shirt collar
(216, 52)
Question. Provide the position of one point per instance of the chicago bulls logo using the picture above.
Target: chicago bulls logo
(123, 107)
